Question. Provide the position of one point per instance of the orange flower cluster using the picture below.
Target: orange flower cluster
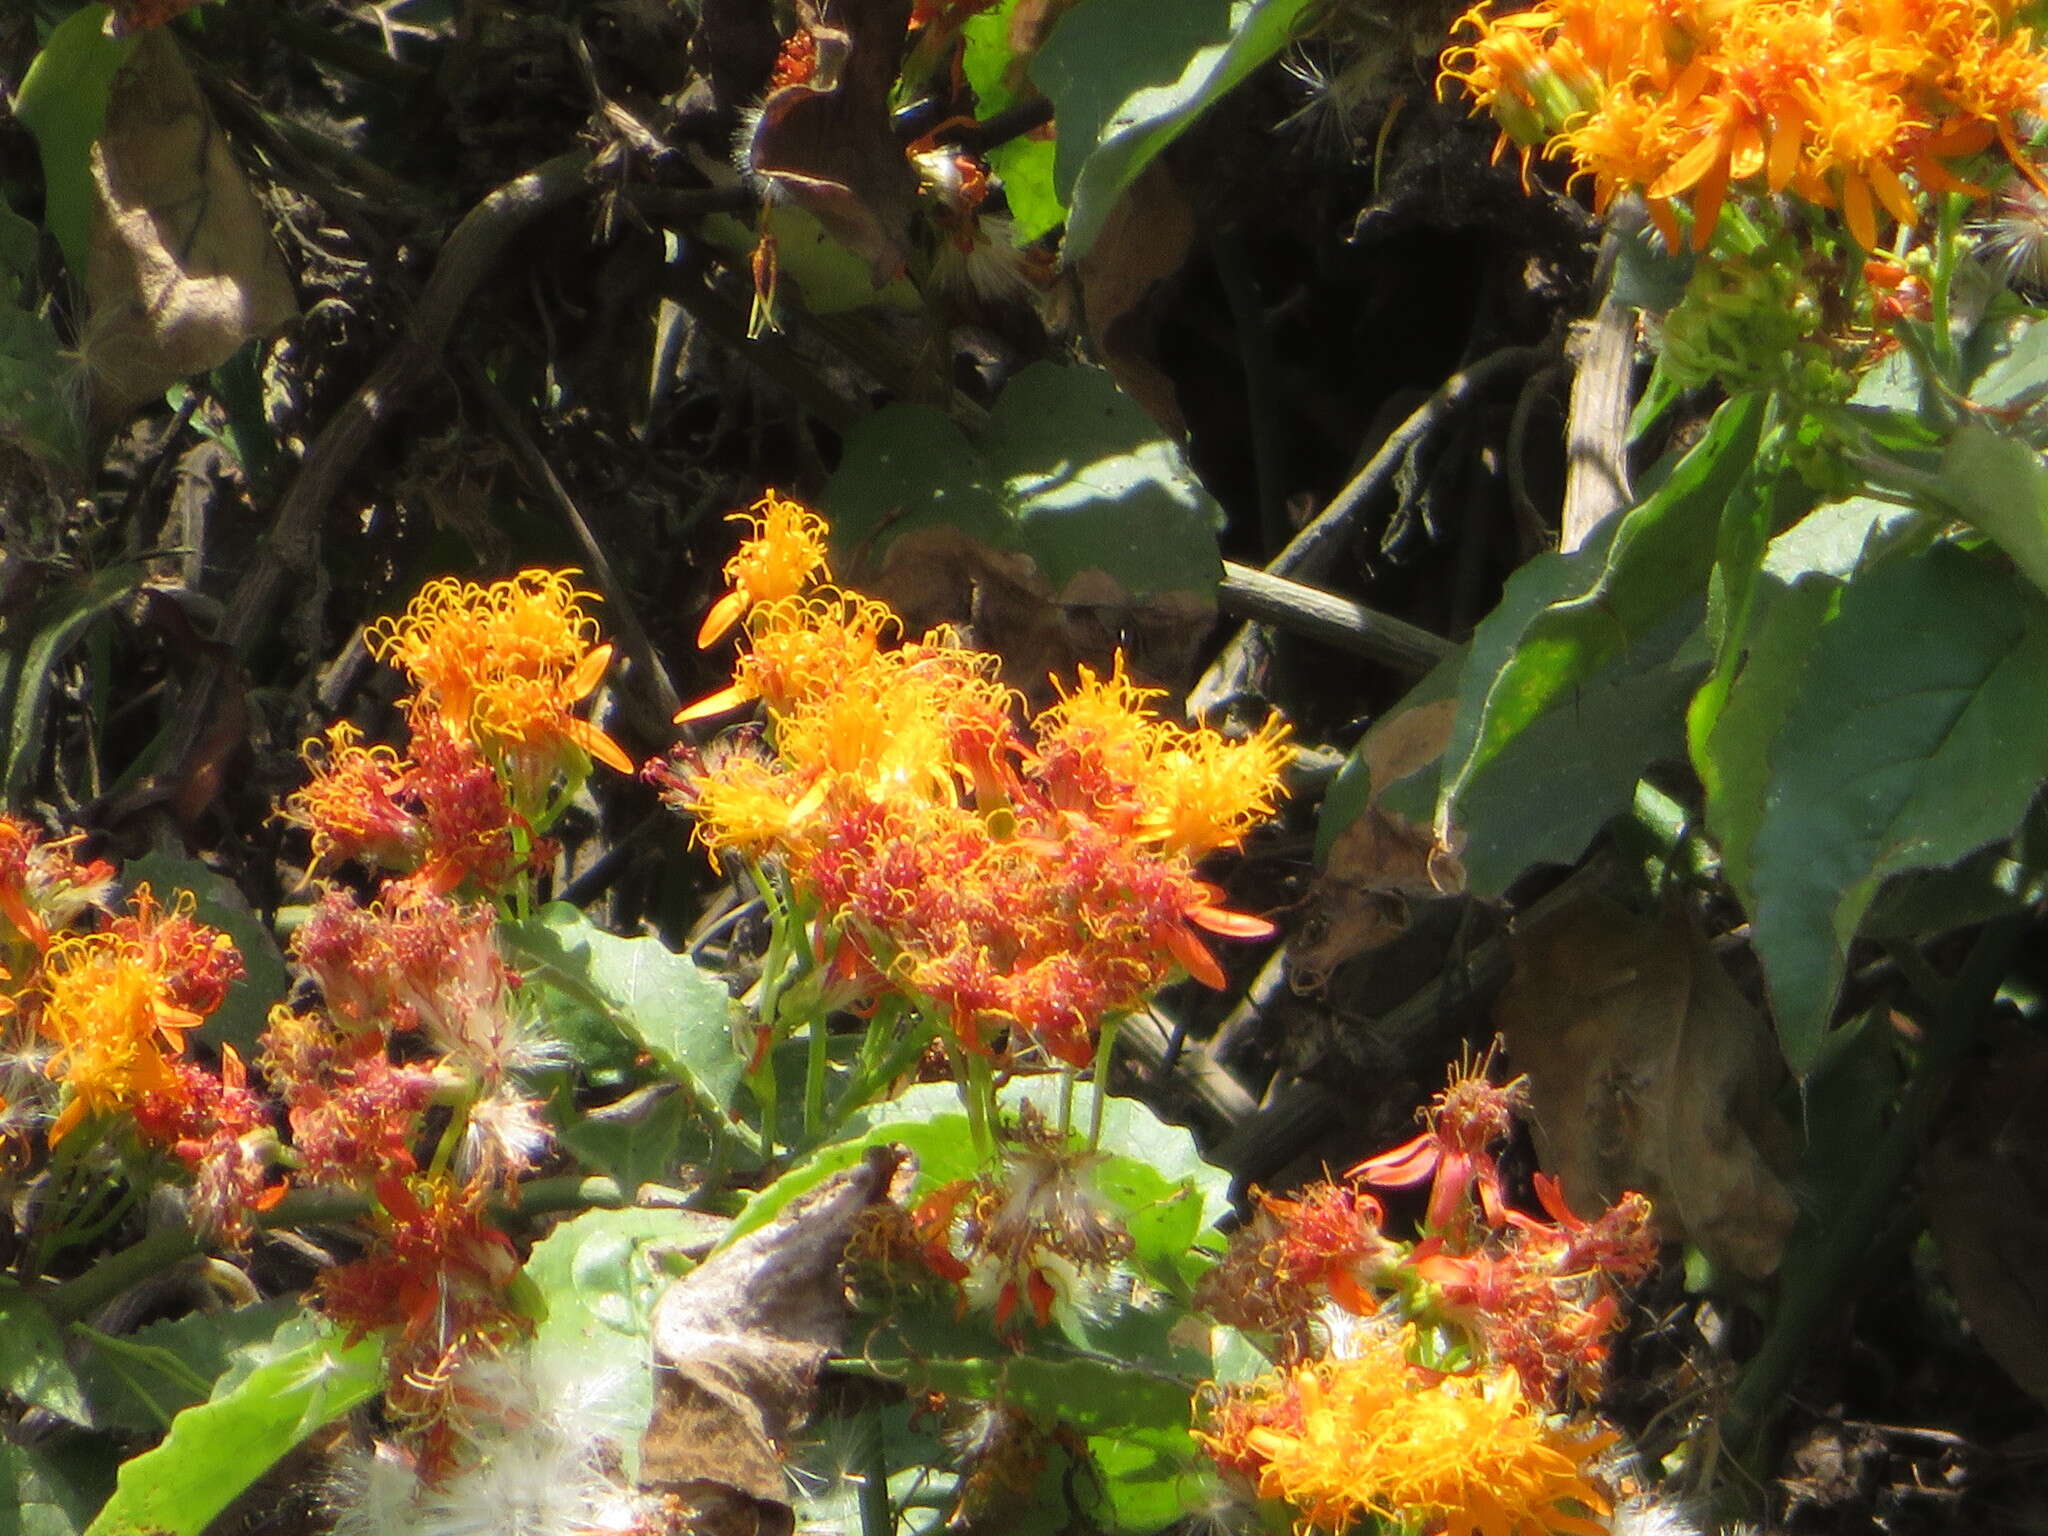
(1373, 1434)
(1029, 885)
(496, 672)
(502, 666)
(1418, 1380)
(1686, 100)
(95, 1019)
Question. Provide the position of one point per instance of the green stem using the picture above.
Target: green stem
(1947, 252)
(1105, 1046)
(881, 1068)
(117, 1272)
(876, 1518)
(451, 1134)
(815, 1064)
(1066, 1101)
(977, 1091)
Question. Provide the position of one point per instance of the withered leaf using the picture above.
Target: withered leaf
(1986, 1173)
(1649, 1070)
(737, 1348)
(180, 266)
(1381, 859)
(1144, 241)
(826, 143)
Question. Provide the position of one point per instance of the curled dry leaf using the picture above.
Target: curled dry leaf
(1649, 1070)
(737, 1347)
(1144, 241)
(826, 143)
(180, 266)
(1986, 1173)
(1382, 859)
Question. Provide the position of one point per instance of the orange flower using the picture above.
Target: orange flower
(1021, 896)
(109, 1012)
(786, 549)
(503, 666)
(1374, 1435)
(1689, 100)
(352, 806)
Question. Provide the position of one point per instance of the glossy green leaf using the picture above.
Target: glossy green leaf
(1652, 565)
(63, 102)
(33, 1366)
(651, 995)
(245, 1011)
(1070, 474)
(217, 1449)
(1895, 728)
(1128, 77)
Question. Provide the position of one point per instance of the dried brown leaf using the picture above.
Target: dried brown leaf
(826, 143)
(1649, 1070)
(1382, 860)
(1143, 242)
(180, 267)
(738, 1344)
(1986, 1174)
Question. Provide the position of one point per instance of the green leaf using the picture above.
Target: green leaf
(1092, 1395)
(56, 626)
(63, 102)
(2000, 484)
(1070, 473)
(652, 996)
(1557, 783)
(928, 1119)
(1152, 1478)
(1128, 77)
(1901, 730)
(1024, 165)
(1733, 768)
(219, 1448)
(641, 1142)
(218, 901)
(33, 1367)
(826, 275)
(129, 1390)
(1617, 592)
(35, 1498)
(39, 400)
(600, 1275)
